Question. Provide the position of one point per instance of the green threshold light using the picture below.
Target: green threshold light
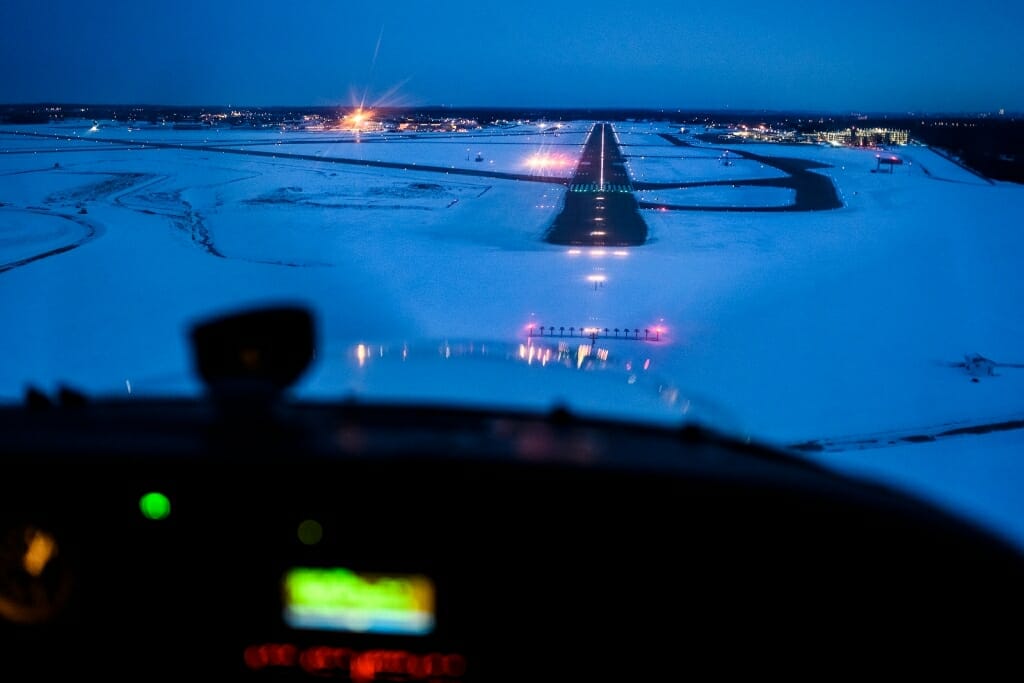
(155, 505)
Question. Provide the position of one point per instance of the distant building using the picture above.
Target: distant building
(445, 125)
(761, 133)
(865, 137)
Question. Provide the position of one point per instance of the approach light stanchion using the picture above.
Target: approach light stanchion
(594, 333)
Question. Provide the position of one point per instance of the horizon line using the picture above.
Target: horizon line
(505, 108)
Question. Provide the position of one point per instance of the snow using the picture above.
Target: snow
(977, 477)
(515, 155)
(785, 326)
(721, 196)
(697, 166)
(649, 132)
(26, 233)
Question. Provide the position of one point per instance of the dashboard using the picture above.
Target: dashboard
(172, 540)
(244, 536)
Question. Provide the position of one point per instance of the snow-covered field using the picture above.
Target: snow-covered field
(795, 326)
(717, 196)
(547, 157)
(694, 166)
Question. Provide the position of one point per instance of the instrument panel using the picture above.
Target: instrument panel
(405, 546)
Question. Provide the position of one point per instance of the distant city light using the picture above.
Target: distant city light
(359, 120)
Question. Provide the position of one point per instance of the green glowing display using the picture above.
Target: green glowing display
(332, 598)
(155, 505)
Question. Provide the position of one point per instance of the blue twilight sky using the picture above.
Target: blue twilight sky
(872, 55)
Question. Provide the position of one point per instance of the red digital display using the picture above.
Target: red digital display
(362, 666)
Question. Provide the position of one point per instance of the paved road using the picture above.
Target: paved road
(600, 209)
(90, 231)
(814, 192)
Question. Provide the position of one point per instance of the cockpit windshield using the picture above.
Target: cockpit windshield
(799, 225)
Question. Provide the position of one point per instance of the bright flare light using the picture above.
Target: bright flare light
(544, 161)
(358, 120)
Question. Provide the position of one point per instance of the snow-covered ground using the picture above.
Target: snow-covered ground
(796, 326)
(717, 196)
(695, 166)
(548, 157)
(519, 149)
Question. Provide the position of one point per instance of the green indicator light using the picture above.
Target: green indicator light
(310, 532)
(155, 506)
